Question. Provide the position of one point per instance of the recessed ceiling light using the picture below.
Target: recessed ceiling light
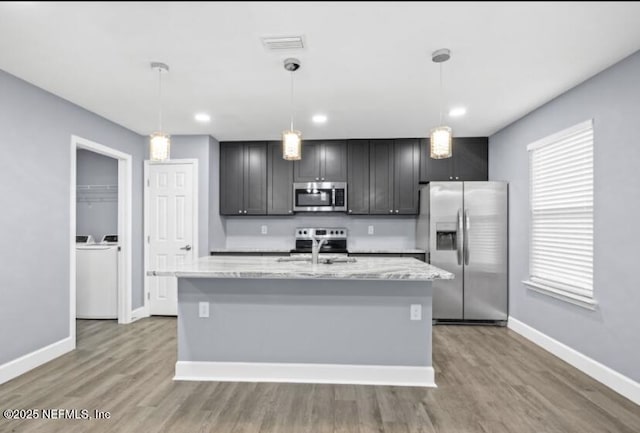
(457, 112)
(202, 117)
(319, 118)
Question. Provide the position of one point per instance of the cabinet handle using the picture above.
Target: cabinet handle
(317, 178)
(290, 211)
(350, 211)
(450, 177)
(245, 211)
(322, 178)
(397, 211)
(239, 211)
(457, 178)
(390, 210)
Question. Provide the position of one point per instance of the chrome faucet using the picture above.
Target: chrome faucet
(316, 244)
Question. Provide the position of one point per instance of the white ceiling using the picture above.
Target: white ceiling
(367, 65)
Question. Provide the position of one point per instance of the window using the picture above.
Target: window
(561, 199)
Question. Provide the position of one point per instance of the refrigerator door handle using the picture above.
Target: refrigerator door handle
(459, 235)
(467, 226)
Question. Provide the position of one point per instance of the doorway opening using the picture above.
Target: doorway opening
(101, 207)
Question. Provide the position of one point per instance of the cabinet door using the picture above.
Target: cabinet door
(231, 178)
(471, 158)
(434, 169)
(406, 157)
(381, 177)
(279, 182)
(358, 177)
(334, 161)
(255, 178)
(308, 168)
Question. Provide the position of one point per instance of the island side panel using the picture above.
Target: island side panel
(347, 322)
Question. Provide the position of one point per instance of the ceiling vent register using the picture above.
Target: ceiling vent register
(283, 43)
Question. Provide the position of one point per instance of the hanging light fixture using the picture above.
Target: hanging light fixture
(441, 135)
(292, 139)
(159, 143)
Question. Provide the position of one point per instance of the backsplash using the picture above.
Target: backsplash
(389, 233)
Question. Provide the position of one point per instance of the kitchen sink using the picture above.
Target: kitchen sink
(321, 260)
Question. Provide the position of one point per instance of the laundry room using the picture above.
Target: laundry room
(96, 236)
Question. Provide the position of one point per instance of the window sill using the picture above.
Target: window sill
(581, 301)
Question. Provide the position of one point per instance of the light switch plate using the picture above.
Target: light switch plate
(203, 309)
(264, 230)
(370, 230)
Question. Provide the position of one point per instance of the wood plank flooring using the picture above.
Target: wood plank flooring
(490, 380)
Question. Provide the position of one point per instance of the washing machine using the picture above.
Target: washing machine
(97, 277)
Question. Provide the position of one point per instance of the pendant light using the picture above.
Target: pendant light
(440, 147)
(292, 139)
(159, 143)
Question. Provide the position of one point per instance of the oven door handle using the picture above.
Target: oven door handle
(333, 197)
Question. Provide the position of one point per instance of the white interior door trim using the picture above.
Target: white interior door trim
(195, 201)
(125, 176)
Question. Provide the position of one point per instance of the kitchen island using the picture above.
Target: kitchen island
(367, 322)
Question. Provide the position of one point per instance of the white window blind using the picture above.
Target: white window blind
(561, 198)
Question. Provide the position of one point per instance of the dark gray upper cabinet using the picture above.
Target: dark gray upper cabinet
(406, 174)
(469, 161)
(333, 164)
(358, 177)
(394, 176)
(381, 177)
(243, 178)
(231, 178)
(322, 161)
(279, 182)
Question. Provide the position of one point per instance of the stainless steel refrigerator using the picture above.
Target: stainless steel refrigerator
(463, 226)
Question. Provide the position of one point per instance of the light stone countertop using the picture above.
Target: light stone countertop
(351, 251)
(365, 268)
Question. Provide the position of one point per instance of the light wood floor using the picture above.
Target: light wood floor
(490, 380)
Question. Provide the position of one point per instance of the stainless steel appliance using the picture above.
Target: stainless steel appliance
(334, 240)
(463, 225)
(320, 197)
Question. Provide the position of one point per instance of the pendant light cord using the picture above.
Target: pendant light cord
(441, 94)
(292, 106)
(159, 100)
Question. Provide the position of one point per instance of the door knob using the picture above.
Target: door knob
(186, 248)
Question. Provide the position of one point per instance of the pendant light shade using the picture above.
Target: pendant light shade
(159, 147)
(440, 143)
(291, 145)
(292, 139)
(441, 136)
(159, 142)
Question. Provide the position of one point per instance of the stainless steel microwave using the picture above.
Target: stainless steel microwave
(320, 197)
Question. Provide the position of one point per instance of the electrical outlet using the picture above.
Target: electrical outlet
(370, 230)
(203, 309)
(264, 230)
(416, 312)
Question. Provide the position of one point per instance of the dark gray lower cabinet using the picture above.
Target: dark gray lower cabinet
(358, 177)
(243, 178)
(469, 161)
(279, 182)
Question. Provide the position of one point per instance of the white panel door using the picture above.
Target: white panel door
(171, 233)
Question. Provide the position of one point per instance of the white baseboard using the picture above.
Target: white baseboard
(139, 313)
(603, 374)
(305, 373)
(34, 359)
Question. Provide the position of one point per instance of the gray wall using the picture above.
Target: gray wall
(396, 232)
(336, 322)
(610, 334)
(35, 137)
(96, 212)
